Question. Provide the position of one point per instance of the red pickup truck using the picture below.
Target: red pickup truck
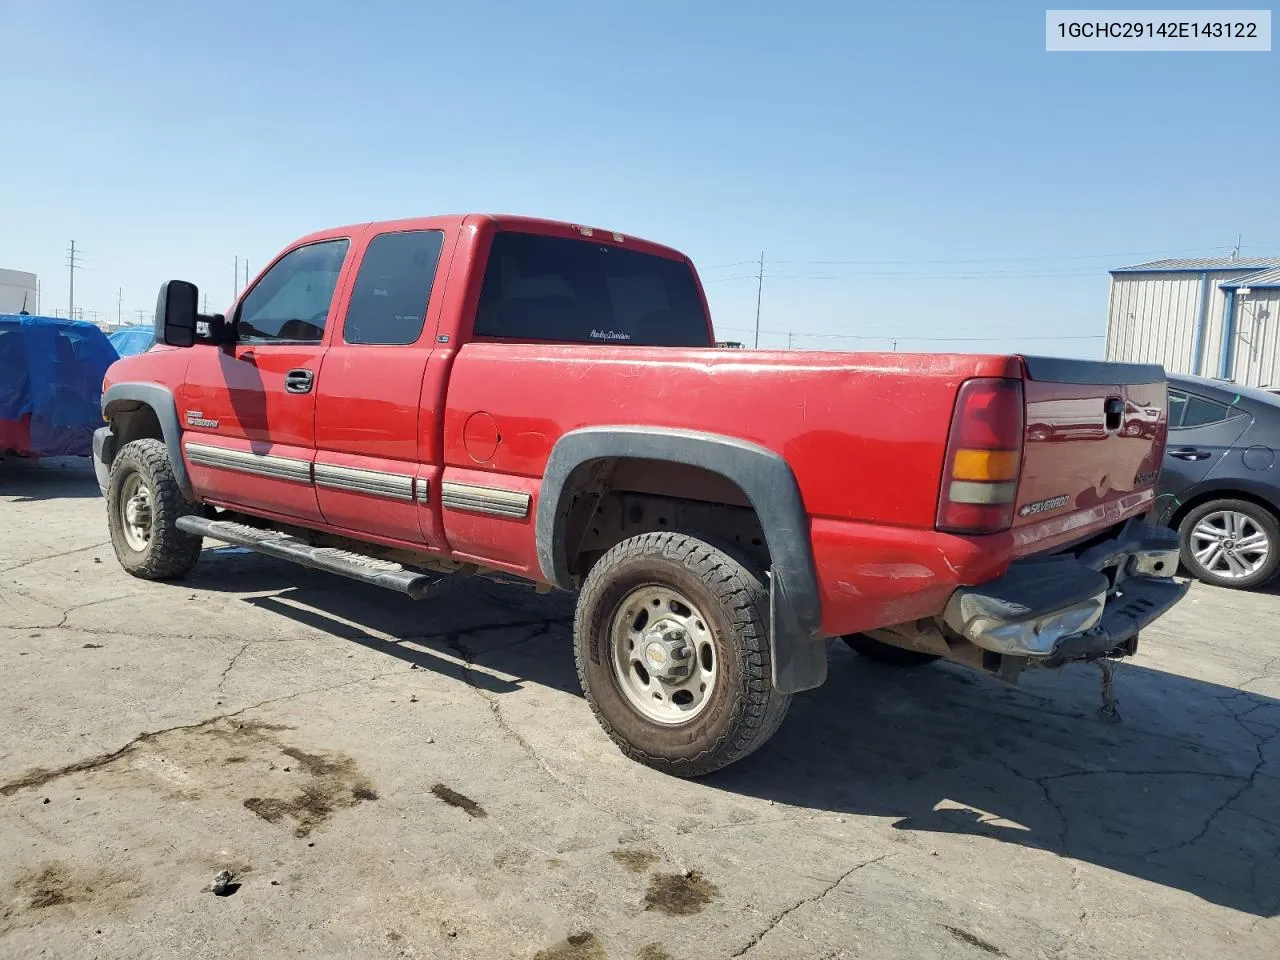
(408, 401)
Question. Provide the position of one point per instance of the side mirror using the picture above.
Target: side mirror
(176, 313)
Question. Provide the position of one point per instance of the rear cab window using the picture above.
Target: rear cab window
(563, 290)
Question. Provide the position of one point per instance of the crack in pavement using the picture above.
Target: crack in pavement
(1082, 920)
(1064, 825)
(239, 653)
(40, 777)
(540, 628)
(80, 606)
(1260, 745)
(54, 556)
(779, 917)
(1137, 773)
(1265, 675)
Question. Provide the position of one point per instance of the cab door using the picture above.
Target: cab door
(376, 466)
(249, 409)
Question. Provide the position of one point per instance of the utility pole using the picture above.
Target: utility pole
(140, 313)
(759, 288)
(246, 273)
(72, 263)
(119, 304)
(788, 339)
(235, 287)
(206, 304)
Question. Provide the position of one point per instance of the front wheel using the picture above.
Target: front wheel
(672, 647)
(144, 503)
(1231, 543)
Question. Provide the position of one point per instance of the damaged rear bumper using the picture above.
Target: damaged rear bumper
(1063, 608)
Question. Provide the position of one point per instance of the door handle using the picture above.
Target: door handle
(1190, 453)
(298, 381)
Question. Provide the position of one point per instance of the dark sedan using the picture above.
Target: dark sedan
(1221, 485)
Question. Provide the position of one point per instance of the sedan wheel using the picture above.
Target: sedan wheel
(1231, 543)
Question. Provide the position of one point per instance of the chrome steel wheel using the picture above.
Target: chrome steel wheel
(136, 512)
(1230, 544)
(663, 656)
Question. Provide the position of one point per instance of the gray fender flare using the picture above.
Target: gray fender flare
(125, 396)
(799, 653)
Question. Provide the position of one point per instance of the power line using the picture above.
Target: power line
(975, 275)
(994, 260)
(920, 339)
(1035, 259)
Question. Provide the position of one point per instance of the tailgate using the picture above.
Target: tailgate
(1095, 435)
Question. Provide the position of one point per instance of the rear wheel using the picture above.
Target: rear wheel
(887, 653)
(143, 507)
(1231, 543)
(672, 647)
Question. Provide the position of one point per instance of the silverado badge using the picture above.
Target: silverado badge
(1044, 506)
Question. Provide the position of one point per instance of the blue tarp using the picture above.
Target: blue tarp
(51, 372)
(129, 341)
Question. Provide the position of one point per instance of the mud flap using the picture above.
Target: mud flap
(799, 659)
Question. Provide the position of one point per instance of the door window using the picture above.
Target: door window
(391, 292)
(291, 302)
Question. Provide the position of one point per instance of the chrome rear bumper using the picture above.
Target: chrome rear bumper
(1061, 608)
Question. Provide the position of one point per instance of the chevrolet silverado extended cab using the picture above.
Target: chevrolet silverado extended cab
(410, 401)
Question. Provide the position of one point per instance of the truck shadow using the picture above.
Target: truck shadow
(1185, 792)
(53, 478)
(475, 630)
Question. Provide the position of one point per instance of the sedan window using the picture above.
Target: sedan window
(1188, 410)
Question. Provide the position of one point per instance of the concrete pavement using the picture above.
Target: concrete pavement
(387, 778)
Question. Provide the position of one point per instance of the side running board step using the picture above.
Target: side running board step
(357, 566)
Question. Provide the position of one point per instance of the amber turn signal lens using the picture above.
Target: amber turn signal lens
(985, 465)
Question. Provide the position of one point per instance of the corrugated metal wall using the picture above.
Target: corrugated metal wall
(1153, 318)
(1257, 340)
(17, 288)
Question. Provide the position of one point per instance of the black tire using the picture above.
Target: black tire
(887, 653)
(168, 553)
(1264, 520)
(743, 709)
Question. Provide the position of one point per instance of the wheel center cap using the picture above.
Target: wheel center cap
(666, 652)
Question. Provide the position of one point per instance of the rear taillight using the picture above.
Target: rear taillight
(984, 453)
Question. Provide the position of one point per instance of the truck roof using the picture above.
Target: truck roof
(503, 221)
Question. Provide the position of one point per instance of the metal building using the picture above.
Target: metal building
(16, 289)
(1215, 317)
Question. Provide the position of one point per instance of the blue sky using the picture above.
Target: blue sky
(981, 186)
